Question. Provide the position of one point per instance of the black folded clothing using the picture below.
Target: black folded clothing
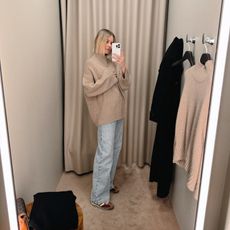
(54, 211)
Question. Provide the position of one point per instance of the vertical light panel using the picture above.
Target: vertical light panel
(6, 163)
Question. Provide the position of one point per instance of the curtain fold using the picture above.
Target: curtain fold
(140, 27)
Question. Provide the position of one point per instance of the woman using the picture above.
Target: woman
(105, 82)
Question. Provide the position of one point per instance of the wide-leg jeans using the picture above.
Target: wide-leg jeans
(105, 161)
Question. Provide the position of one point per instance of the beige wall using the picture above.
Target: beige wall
(30, 53)
(224, 221)
(193, 18)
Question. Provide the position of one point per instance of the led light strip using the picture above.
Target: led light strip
(6, 163)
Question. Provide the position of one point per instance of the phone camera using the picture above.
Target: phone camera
(118, 46)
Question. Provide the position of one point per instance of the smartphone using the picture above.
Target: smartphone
(116, 49)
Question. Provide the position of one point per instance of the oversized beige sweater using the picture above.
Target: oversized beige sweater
(190, 132)
(104, 88)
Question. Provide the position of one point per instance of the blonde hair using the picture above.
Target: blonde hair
(101, 39)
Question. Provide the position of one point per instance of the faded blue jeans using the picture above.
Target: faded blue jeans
(105, 161)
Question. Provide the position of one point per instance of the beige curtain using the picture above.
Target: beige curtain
(140, 27)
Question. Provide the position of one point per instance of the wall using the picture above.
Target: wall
(30, 53)
(193, 18)
(224, 221)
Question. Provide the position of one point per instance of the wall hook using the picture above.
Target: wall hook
(208, 40)
(190, 39)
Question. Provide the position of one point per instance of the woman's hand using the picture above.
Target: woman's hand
(120, 59)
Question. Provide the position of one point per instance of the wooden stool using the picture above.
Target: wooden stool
(79, 212)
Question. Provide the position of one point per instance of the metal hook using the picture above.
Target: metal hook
(190, 40)
(207, 40)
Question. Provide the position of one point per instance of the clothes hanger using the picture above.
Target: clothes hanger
(205, 57)
(188, 55)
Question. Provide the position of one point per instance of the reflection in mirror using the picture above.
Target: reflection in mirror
(32, 44)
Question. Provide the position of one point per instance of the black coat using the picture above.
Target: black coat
(164, 108)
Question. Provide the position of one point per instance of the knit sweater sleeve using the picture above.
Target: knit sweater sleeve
(123, 79)
(93, 87)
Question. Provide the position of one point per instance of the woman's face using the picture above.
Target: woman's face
(108, 45)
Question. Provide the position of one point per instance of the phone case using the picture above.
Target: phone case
(116, 48)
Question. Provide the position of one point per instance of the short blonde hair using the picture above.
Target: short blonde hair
(101, 39)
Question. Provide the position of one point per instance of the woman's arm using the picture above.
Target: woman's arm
(93, 87)
(122, 71)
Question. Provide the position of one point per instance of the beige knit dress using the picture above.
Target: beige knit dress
(191, 122)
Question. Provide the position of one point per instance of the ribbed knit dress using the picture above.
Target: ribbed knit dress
(191, 122)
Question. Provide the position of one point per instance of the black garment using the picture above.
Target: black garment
(164, 108)
(54, 211)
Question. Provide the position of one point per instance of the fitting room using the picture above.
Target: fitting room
(51, 138)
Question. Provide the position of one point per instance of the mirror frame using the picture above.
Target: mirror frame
(218, 77)
(221, 54)
(5, 158)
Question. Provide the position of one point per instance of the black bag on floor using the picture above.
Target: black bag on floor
(54, 211)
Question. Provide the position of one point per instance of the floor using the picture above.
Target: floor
(136, 207)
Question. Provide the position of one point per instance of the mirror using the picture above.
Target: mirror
(216, 157)
(36, 118)
(7, 193)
